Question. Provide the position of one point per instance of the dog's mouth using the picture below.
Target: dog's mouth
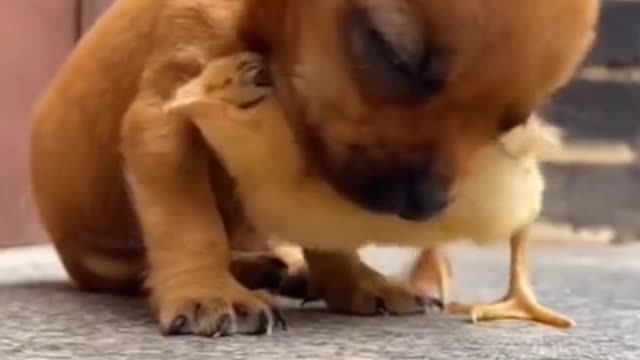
(410, 190)
(408, 193)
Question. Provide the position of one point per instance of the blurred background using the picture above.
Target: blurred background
(594, 184)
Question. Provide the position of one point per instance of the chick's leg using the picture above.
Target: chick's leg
(432, 272)
(520, 301)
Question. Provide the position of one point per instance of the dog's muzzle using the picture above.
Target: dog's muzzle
(412, 193)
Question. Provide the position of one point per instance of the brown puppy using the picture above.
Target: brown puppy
(390, 94)
(500, 200)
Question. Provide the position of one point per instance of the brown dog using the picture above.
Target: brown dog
(498, 201)
(387, 97)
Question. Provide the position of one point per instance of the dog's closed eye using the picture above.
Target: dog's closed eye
(388, 51)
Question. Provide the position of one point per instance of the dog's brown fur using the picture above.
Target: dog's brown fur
(500, 61)
(103, 151)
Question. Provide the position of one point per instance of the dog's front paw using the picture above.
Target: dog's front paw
(376, 296)
(218, 309)
(355, 288)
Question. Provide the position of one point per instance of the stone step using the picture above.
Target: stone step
(594, 196)
(594, 153)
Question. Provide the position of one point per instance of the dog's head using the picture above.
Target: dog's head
(392, 98)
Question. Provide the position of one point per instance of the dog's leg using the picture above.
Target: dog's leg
(350, 286)
(192, 289)
(520, 301)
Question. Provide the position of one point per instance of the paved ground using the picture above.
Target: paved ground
(44, 318)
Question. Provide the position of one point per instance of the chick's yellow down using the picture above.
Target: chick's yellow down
(498, 201)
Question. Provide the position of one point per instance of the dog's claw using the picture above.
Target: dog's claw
(265, 324)
(279, 319)
(429, 302)
(225, 326)
(179, 326)
(381, 307)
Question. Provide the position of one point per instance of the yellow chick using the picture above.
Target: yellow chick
(248, 131)
(501, 200)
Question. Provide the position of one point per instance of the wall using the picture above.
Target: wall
(35, 35)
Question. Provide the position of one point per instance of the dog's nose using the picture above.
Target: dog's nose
(412, 193)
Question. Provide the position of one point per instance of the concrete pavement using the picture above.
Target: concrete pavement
(44, 318)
